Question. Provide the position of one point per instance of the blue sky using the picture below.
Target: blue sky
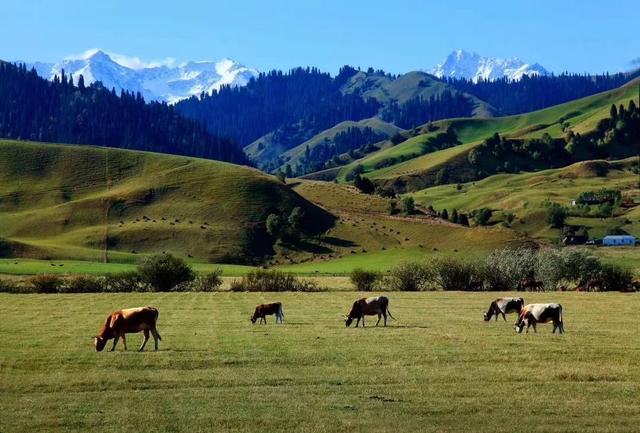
(395, 35)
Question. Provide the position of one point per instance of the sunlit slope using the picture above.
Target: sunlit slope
(87, 203)
(581, 116)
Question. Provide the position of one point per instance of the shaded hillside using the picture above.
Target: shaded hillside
(32, 108)
(93, 203)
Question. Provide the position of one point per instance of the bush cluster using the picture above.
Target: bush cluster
(272, 281)
(163, 273)
(504, 270)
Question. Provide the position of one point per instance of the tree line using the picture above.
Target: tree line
(68, 111)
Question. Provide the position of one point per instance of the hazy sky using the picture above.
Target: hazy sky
(395, 35)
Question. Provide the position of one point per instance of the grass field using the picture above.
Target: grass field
(437, 368)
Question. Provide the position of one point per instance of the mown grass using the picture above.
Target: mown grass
(437, 368)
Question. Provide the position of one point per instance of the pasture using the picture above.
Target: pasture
(437, 368)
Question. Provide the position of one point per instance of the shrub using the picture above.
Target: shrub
(208, 282)
(9, 286)
(397, 138)
(363, 280)
(6, 250)
(453, 274)
(556, 215)
(408, 205)
(616, 278)
(506, 267)
(364, 184)
(165, 272)
(409, 277)
(482, 216)
(272, 281)
(123, 283)
(45, 283)
(82, 284)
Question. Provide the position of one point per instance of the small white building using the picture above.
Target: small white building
(619, 240)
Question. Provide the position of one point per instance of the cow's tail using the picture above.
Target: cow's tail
(389, 313)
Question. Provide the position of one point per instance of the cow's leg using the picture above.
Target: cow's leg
(357, 322)
(124, 342)
(503, 316)
(553, 331)
(384, 314)
(156, 337)
(363, 320)
(561, 327)
(379, 317)
(115, 341)
(144, 340)
(535, 328)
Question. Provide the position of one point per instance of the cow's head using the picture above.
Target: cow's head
(99, 343)
(490, 312)
(253, 319)
(523, 320)
(353, 314)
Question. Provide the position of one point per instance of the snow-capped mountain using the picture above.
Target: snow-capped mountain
(155, 81)
(469, 65)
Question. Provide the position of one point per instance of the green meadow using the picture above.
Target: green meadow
(437, 368)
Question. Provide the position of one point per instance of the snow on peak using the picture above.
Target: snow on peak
(472, 66)
(155, 80)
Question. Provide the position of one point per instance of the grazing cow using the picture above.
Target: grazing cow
(128, 321)
(540, 313)
(264, 310)
(369, 307)
(504, 306)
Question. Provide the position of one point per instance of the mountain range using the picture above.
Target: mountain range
(472, 66)
(166, 82)
(156, 82)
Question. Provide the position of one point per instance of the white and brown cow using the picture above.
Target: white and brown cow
(504, 306)
(540, 313)
(378, 305)
(128, 321)
(264, 310)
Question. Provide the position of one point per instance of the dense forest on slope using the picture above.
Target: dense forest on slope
(538, 91)
(32, 108)
(305, 97)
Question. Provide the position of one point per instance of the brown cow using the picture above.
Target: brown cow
(369, 307)
(128, 321)
(264, 310)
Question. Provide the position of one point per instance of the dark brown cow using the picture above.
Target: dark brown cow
(369, 307)
(530, 284)
(264, 310)
(131, 320)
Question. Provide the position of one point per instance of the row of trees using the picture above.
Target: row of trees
(67, 111)
(536, 92)
(419, 110)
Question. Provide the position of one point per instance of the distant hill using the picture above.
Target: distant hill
(90, 203)
(415, 163)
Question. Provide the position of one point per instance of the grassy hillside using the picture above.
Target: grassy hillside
(418, 170)
(525, 195)
(293, 156)
(405, 87)
(88, 203)
(367, 236)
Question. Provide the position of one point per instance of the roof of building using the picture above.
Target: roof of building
(619, 237)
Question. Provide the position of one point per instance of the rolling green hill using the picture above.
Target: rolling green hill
(525, 195)
(89, 203)
(410, 170)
